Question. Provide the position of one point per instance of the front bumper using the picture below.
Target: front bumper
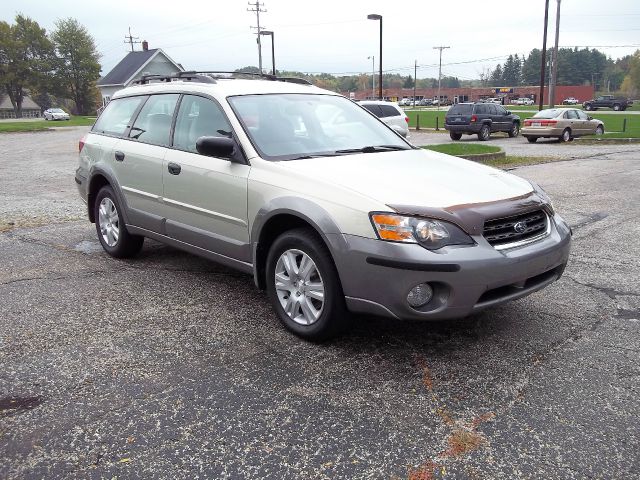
(376, 276)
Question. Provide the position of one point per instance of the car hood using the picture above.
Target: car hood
(414, 177)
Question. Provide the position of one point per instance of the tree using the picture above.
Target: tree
(408, 82)
(77, 64)
(496, 76)
(25, 59)
(531, 68)
(511, 71)
(631, 84)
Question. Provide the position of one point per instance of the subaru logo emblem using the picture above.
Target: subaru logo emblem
(520, 227)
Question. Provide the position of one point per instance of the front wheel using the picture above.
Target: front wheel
(600, 130)
(484, 133)
(455, 135)
(110, 225)
(303, 286)
(515, 130)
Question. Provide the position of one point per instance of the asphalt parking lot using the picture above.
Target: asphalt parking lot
(170, 366)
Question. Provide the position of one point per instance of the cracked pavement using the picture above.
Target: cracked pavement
(170, 366)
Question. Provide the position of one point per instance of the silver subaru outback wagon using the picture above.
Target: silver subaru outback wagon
(328, 208)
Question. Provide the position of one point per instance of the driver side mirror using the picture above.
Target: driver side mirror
(589, 117)
(508, 112)
(219, 147)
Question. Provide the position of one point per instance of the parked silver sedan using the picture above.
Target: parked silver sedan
(56, 114)
(562, 123)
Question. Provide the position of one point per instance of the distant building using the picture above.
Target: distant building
(133, 66)
(30, 109)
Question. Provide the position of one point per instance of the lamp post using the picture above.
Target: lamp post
(373, 76)
(273, 54)
(375, 16)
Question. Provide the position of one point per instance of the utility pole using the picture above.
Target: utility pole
(131, 40)
(543, 62)
(554, 66)
(440, 71)
(415, 81)
(257, 8)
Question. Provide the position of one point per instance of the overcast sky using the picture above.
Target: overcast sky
(336, 37)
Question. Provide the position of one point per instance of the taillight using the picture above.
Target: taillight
(406, 119)
(527, 123)
(81, 144)
(474, 118)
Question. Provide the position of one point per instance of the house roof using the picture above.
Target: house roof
(130, 65)
(27, 103)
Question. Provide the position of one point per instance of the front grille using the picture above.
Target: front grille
(504, 231)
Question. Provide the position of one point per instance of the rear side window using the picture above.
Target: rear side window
(461, 109)
(198, 117)
(153, 124)
(482, 108)
(389, 111)
(116, 117)
(375, 109)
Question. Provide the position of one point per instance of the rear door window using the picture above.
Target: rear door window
(375, 109)
(500, 110)
(153, 124)
(116, 118)
(389, 111)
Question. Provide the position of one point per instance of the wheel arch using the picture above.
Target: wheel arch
(291, 213)
(98, 178)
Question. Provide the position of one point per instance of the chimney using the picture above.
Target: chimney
(145, 45)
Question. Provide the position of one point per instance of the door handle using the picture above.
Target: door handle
(119, 156)
(174, 168)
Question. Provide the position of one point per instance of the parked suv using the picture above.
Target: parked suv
(325, 206)
(606, 101)
(480, 119)
(389, 113)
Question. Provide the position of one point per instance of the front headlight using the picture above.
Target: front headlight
(542, 194)
(428, 232)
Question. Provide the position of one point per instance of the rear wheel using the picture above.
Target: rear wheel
(566, 135)
(515, 130)
(588, 107)
(303, 286)
(532, 139)
(455, 135)
(484, 133)
(616, 107)
(600, 130)
(110, 225)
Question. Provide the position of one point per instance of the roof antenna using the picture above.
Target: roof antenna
(131, 40)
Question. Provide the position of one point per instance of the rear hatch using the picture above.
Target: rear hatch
(459, 114)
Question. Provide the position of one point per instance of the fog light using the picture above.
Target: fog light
(420, 295)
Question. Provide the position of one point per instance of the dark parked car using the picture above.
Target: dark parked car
(480, 119)
(606, 101)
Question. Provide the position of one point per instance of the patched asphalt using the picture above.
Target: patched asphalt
(171, 366)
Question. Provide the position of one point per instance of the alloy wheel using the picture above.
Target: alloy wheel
(299, 287)
(109, 222)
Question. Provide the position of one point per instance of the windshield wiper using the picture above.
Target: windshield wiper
(372, 149)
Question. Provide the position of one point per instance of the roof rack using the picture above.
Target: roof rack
(210, 76)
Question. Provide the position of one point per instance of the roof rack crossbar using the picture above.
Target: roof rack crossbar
(208, 76)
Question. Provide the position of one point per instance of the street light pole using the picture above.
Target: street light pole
(375, 16)
(439, 72)
(373, 76)
(543, 60)
(554, 66)
(273, 53)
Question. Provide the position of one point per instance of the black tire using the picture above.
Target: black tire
(566, 136)
(515, 130)
(600, 130)
(532, 139)
(616, 107)
(484, 133)
(334, 317)
(588, 107)
(126, 245)
(455, 135)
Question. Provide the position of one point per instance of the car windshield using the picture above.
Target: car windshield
(298, 126)
(57, 110)
(461, 109)
(548, 113)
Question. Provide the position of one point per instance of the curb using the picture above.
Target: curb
(607, 140)
(483, 157)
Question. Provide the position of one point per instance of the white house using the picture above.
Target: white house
(133, 66)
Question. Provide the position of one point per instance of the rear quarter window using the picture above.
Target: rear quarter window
(117, 115)
(375, 109)
(389, 111)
